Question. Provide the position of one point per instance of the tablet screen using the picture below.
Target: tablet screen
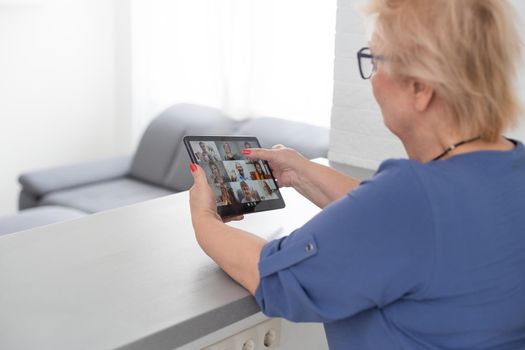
(240, 185)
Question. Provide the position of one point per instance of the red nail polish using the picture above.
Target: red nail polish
(193, 167)
(246, 151)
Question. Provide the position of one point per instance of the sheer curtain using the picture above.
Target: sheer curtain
(246, 57)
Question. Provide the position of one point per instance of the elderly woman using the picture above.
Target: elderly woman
(430, 252)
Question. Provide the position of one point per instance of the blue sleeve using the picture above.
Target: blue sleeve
(366, 250)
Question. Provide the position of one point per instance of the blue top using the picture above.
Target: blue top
(421, 256)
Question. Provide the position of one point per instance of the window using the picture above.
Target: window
(246, 57)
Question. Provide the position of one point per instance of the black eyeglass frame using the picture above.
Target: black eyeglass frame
(362, 54)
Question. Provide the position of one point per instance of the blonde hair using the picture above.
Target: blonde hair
(468, 50)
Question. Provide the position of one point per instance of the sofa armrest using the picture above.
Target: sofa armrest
(27, 200)
(40, 182)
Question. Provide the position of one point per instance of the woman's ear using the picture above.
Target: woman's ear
(423, 94)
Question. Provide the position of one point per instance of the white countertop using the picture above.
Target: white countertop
(132, 278)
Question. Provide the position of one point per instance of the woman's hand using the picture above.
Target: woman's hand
(320, 184)
(202, 199)
(286, 163)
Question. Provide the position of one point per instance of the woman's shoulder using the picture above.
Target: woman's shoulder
(395, 186)
(394, 177)
(394, 164)
(396, 171)
(451, 176)
(418, 179)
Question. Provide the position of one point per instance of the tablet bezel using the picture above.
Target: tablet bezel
(239, 208)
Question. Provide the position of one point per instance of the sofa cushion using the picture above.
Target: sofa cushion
(105, 195)
(29, 218)
(41, 182)
(310, 140)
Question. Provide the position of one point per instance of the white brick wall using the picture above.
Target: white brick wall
(358, 136)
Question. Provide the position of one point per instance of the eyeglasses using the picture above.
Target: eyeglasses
(367, 62)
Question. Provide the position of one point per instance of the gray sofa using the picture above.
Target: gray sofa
(158, 168)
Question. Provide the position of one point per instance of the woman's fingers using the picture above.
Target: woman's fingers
(233, 218)
(263, 153)
(258, 153)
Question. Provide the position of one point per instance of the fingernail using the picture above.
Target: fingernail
(193, 167)
(246, 151)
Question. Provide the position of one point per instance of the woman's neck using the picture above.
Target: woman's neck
(425, 151)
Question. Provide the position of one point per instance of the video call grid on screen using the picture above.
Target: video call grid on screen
(234, 179)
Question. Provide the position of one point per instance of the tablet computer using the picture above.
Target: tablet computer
(240, 185)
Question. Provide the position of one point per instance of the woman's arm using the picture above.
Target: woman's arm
(235, 251)
(320, 184)
(323, 185)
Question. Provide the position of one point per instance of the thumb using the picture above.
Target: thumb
(199, 176)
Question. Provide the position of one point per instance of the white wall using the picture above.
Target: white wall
(358, 136)
(58, 102)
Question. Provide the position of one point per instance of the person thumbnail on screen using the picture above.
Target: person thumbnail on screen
(246, 191)
(216, 173)
(237, 171)
(268, 190)
(229, 150)
(260, 171)
(234, 172)
(205, 151)
(225, 195)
